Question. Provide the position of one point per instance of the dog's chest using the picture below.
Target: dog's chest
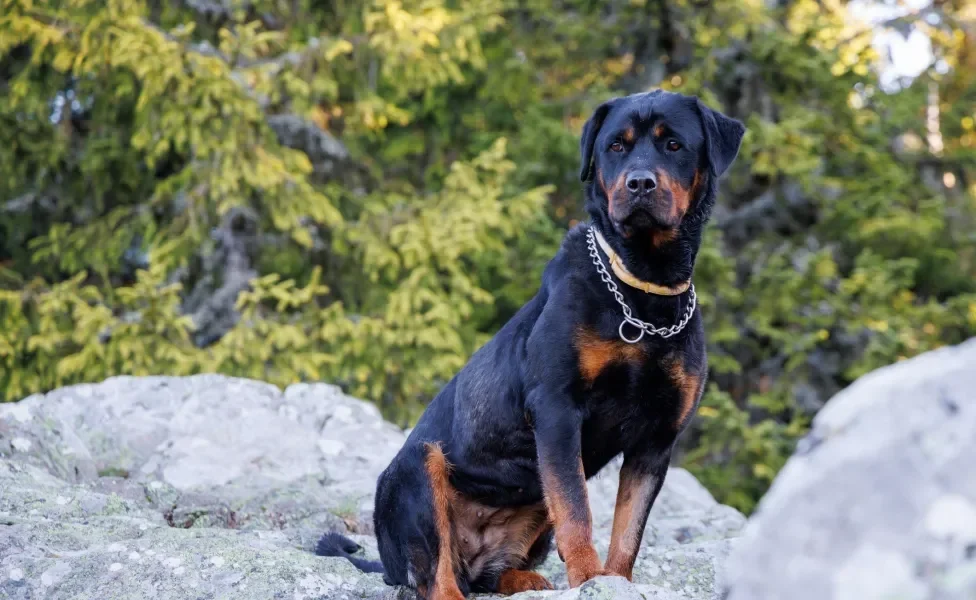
(631, 398)
(636, 396)
(609, 366)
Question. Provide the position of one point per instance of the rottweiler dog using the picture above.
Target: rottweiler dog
(608, 358)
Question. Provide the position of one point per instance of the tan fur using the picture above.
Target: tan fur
(514, 581)
(610, 192)
(574, 537)
(596, 353)
(488, 536)
(689, 390)
(680, 197)
(633, 497)
(681, 200)
(445, 582)
(696, 183)
(663, 236)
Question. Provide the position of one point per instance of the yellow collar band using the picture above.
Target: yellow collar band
(624, 275)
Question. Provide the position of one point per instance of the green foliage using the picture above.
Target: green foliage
(411, 165)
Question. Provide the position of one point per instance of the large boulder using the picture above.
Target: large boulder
(213, 487)
(879, 501)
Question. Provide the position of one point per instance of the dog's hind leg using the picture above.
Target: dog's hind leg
(514, 541)
(413, 522)
(514, 581)
(445, 585)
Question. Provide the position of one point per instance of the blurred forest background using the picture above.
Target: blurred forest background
(363, 191)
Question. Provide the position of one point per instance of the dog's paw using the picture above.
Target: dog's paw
(514, 581)
(584, 568)
(620, 568)
(578, 577)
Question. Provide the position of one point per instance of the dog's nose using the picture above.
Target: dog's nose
(641, 182)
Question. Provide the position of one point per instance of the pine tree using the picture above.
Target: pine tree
(363, 192)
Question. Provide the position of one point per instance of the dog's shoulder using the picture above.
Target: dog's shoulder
(570, 271)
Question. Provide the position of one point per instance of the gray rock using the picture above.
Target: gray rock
(213, 487)
(879, 501)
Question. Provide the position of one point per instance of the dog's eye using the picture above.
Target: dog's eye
(673, 145)
(616, 146)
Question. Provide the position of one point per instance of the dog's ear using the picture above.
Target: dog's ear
(588, 137)
(723, 136)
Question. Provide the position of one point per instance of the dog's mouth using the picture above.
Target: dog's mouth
(634, 222)
(647, 216)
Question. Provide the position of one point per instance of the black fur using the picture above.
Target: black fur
(529, 400)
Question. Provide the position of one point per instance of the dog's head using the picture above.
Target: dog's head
(651, 159)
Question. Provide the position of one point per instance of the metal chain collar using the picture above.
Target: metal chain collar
(642, 326)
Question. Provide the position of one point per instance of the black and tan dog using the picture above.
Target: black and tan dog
(498, 462)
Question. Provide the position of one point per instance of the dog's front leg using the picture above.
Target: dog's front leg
(557, 436)
(641, 478)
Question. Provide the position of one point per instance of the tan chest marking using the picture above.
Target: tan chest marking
(689, 387)
(596, 353)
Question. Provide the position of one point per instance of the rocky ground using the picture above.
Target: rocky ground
(212, 487)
